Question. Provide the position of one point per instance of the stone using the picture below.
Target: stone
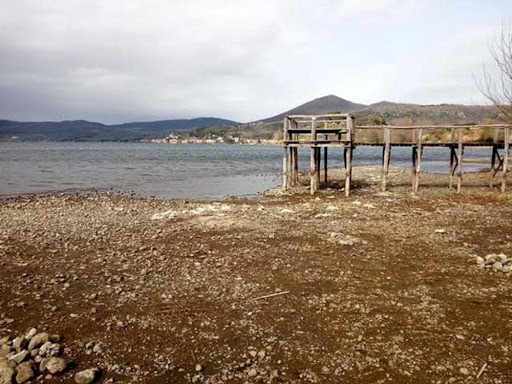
(19, 357)
(506, 268)
(25, 372)
(6, 375)
(30, 334)
(480, 260)
(87, 376)
(252, 372)
(464, 371)
(38, 340)
(497, 266)
(4, 340)
(19, 343)
(4, 350)
(199, 368)
(42, 365)
(56, 365)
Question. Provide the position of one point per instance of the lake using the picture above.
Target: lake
(173, 171)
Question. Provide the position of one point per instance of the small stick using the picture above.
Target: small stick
(272, 295)
(481, 370)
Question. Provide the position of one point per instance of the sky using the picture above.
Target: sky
(116, 61)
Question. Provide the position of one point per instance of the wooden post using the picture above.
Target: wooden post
(318, 165)
(296, 165)
(325, 167)
(414, 160)
(453, 157)
(348, 173)
(460, 152)
(494, 155)
(419, 154)
(453, 164)
(386, 157)
(285, 154)
(506, 145)
(313, 177)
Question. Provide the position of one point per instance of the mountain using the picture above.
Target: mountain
(82, 130)
(325, 104)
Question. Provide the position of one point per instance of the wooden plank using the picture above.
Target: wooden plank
(506, 145)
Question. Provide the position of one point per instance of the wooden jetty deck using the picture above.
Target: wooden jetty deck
(320, 132)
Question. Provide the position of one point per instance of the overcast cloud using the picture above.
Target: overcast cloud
(117, 61)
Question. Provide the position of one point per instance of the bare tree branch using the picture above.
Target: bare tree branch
(498, 89)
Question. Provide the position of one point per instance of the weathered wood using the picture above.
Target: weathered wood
(386, 155)
(285, 155)
(506, 145)
(325, 166)
(295, 166)
(460, 153)
(313, 177)
(419, 154)
(285, 169)
(348, 171)
(453, 165)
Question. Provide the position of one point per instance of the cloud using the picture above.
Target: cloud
(116, 60)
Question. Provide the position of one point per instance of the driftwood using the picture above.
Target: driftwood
(271, 295)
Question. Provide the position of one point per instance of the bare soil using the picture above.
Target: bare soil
(373, 288)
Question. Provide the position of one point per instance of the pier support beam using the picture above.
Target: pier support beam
(506, 147)
(386, 156)
(313, 183)
(417, 153)
(460, 153)
(348, 155)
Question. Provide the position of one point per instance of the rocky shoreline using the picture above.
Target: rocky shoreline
(285, 288)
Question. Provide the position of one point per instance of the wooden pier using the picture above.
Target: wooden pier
(321, 132)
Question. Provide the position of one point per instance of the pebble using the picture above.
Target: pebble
(252, 372)
(25, 372)
(199, 368)
(19, 357)
(30, 334)
(464, 371)
(37, 340)
(87, 376)
(56, 365)
(6, 375)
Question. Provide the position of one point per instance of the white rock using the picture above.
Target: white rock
(19, 357)
(497, 266)
(440, 230)
(38, 339)
(6, 375)
(56, 365)
(30, 334)
(87, 376)
(199, 368)
(25, 372)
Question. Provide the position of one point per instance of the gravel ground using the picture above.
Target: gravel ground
(281, 288)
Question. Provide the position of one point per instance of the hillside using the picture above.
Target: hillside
(81, 130)
(325, 104)
(380, 113)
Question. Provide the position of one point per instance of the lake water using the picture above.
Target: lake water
(173, 171)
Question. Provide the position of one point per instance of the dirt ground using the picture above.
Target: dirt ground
(281, 288)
